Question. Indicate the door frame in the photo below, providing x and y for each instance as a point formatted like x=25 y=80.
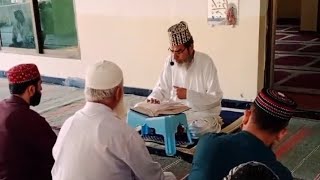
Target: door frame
x=318 y=18
x=270 y=43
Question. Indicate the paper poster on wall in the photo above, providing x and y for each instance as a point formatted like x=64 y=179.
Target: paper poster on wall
x=223 y=12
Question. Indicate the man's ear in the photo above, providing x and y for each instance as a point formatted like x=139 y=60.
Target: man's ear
x=119 y=93
x=31 y=90
x=281 y=134
x=246 y=116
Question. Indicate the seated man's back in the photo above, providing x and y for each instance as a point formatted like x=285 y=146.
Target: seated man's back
x=95 y=144
x=218 y=153
x=263 y=124
x=26 y=138
x=97 y=147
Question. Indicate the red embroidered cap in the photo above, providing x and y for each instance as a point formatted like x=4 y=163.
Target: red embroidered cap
x=275 y=104
x=23 y=73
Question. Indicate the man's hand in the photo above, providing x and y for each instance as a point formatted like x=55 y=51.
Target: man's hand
x=181 y=92
x=153 y=101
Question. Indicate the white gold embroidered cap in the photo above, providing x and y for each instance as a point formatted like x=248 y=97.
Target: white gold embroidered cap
x=103 y=75
x=179 y=34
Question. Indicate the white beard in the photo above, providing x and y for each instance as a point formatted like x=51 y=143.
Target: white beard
x=121 y=110
x=185 y=65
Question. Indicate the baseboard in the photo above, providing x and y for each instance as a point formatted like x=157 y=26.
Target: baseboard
x=79 y=83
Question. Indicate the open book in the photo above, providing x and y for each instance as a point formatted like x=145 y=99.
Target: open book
x=164 y=108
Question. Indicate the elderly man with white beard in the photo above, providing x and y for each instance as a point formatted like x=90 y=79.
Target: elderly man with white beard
x=190 y=77
x=95 y=144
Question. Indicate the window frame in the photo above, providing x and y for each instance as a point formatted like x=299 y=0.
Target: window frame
x=39 y=47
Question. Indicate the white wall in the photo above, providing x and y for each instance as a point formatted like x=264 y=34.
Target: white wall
x=134 y=35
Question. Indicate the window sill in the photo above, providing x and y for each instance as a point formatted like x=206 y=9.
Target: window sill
x=68 y=53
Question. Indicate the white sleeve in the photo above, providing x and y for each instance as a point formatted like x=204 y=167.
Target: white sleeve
x=62 y=133
x=164 y=85
x=213 y=95
x=139 y=160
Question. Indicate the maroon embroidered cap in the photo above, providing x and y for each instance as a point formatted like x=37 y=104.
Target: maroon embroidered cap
x=22 y=73
x=275 y=104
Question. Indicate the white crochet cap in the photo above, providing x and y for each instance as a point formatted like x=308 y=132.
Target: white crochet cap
x=103 y=75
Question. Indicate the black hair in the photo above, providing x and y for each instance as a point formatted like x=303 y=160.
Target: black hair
x=18 y=12
x=21 y=87
x=267 y=122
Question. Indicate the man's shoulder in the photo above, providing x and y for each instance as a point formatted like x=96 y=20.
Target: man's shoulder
x=26 y=113
x=213 y=139
x=203 y=59
x=111 y=121
x=203 y=56
x=219 y=140
x=215 y=136
x=33 y=114
x=16 y=107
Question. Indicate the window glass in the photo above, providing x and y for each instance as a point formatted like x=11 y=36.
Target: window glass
x=16 y=24
x=58 y=24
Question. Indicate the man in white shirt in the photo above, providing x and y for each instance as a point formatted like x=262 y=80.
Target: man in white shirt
x=95 y=144
x=190 y=77
x=22 y=32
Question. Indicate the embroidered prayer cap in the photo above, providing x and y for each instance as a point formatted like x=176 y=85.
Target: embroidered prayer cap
x=22 y=73
x=103 y=75
x=251 y=170
x=179 y=34
x=275 y=104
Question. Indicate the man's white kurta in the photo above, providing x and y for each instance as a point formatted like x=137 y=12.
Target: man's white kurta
x=94 y=144
x=201 y=81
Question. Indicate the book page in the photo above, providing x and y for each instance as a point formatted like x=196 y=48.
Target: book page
x=164 y=108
